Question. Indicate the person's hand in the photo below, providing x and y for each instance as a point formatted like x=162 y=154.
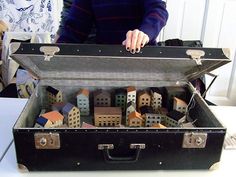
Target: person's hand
x=135 y=40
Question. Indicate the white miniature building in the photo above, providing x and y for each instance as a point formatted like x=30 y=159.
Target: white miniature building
x=131 y=94
x=156 y=100
x=180 y=105
x=131 y=107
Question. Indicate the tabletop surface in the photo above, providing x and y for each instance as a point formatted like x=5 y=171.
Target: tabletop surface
x=11 y=108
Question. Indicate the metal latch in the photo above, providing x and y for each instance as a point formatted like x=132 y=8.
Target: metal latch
x=49 y=51
x=47 y=141
x=196 y=55
x=194 y=140
x=105 y=146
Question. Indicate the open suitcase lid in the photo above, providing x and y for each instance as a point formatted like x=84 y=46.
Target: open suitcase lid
x=113 y=62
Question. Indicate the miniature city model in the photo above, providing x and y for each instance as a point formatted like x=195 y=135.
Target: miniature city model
x=144 y=99
x=120 y=99
x=156 y=99
x=180 y=105
x=131 y=107
x=107 y=116
x=135 y=119
x=131 y=94
x=83 y=102
x=54 y=95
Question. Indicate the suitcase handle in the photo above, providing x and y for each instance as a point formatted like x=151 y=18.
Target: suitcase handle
x=130 y=159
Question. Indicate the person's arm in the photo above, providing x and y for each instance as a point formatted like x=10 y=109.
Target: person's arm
x=77 y=24
x=154 y=19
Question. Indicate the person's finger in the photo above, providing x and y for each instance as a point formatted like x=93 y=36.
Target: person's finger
x=139 y=41
x=145 y=40
x=124 y=42
x=134 y=41
x=128 y=40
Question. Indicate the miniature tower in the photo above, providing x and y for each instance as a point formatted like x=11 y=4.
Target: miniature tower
x=131 y=107
x=180 y=105
x=107 y=116
x=156 y=99
x=131 y=94
x=72 y=115
x=54 y=95
x=83 y=102
x=102 y=98
x=144 y=99
x=120 y=99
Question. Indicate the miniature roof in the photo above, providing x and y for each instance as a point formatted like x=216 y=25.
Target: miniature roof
x=146 y=109
x=41 y=121
x=144 y=92
x=52 y=90
x=83 y=92
x=53 y=116
x=158 y=125
x=176 y=115
x=135 y=115
x=101 y=92
x=107 y=111
x=120 y=91
x=67 y=108
x=131 y=89
x=179 y=101
x=131 y=103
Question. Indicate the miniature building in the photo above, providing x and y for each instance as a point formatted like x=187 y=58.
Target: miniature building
x=146 y=109
x=158 y=125
x=180 y=105
x=174 y=118
x=120 y=99
x=102 y=98
x=131 y=107
x=54 y=95
x=131 y=94
x=144 y=99
x=156 y=99
x=107 y=116
x=50 y=119
x=71 y=115
x=135 y=119
x=162 y=111
x=152 y=119
x=83 y=102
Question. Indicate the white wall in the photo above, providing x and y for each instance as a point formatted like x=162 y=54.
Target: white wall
x=214 y=23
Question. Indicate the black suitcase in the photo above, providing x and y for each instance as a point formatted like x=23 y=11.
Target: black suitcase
x=70 y=67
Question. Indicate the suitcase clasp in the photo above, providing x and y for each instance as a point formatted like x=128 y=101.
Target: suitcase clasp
x=194 y=140
x=49 y=51
x=196 y=55
x=47 y=141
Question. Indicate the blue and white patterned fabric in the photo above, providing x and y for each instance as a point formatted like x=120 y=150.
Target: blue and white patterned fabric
x=31 y=15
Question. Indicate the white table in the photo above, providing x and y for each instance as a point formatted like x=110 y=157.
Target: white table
x=8 y=166
x=10 y=109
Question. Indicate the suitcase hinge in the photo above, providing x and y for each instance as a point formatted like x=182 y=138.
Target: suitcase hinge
x=194 y=140
x=49 y=51
x=196 y=55
x=47 y=141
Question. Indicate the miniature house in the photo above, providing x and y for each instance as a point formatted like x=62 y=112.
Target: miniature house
x=54 y=95
x=83 y=102
x=174 y=119
x=180 y=105
x=131 y=94
x=144 y=99
x=131 y=107
x=156 y=99
x=135 y=119
x=102 y=98
x=71 y=115
x=120 y=99
x=107 y=116
x=50 y=119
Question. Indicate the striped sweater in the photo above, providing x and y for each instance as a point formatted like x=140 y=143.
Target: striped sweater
x=112 y=18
